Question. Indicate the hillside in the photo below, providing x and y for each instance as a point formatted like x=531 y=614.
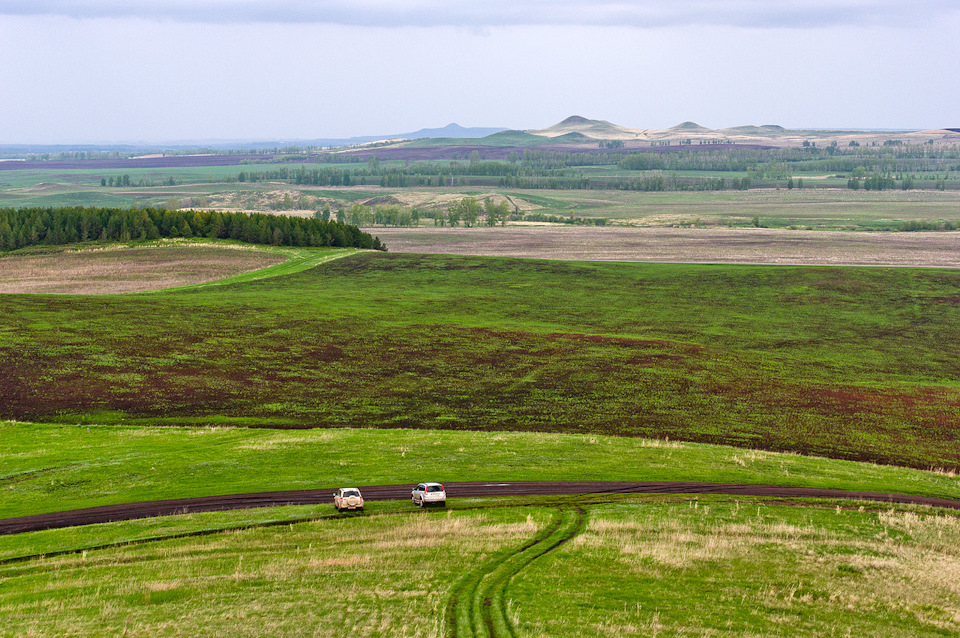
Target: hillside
x=596 y=129
x=767 y=134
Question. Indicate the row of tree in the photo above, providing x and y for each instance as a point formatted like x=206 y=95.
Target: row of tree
x=469 y=211
x=29 y=226
x=658 y=181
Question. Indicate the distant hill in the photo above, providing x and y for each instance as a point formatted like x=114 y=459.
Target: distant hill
x=687 y=126
x=596 y=129
x=574 y=131
x=450 y=131
x=505 y=138
x=453 y=130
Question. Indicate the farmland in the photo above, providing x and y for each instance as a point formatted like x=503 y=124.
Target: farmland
x=890 y=186
x=686 y=245
x=481 y=353
x=120 y=269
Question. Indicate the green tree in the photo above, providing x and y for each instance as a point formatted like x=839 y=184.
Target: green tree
x=503 y=212
x=469 y=210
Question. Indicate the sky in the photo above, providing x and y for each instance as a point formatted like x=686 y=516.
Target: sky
x=152 y=71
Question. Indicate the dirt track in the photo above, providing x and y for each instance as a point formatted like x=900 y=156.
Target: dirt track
x=147 y=509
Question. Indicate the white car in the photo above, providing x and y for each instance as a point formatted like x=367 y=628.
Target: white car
x=348 y=498
x=429 y=494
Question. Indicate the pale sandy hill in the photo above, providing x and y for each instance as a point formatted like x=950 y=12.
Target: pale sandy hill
x=767 y=134
x=596 y=129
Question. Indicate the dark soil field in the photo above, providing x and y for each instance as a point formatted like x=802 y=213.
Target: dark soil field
x=719 y=246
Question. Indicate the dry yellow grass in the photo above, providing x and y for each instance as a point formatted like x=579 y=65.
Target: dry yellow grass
x=125 y=269
x=808 y=571
x=358 y=576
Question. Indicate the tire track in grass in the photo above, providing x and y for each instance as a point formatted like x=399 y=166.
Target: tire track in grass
x=477 y=607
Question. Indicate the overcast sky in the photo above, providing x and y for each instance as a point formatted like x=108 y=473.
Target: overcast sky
x=81 y=71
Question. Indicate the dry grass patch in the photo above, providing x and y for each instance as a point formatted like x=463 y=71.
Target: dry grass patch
x=124 y=269
x=731 y=568
x=352 y=576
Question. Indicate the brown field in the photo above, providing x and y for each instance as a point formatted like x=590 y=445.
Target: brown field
x=123 y=269
x=688 y=245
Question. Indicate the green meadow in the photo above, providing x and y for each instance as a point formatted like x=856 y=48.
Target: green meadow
x=356 y=368
x=854 y=363
x=633 y=566
x=49 y=467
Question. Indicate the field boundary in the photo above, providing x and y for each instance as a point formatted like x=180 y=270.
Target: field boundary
x=297 y=261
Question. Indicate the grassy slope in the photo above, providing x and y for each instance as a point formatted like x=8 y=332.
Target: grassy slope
x=745 y=569
x=49 y=467
x=350 y=577
x=710 y=566
x=852 y=363
x=786 y=569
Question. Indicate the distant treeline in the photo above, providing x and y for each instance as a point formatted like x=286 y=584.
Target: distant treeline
x=653 y=170
x=30 y=226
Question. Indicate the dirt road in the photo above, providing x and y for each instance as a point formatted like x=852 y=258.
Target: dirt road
x=147 y=509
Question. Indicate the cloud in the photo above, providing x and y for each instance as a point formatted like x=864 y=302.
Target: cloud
x=494 y=13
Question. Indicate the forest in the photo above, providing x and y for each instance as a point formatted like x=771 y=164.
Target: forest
x=56 y=226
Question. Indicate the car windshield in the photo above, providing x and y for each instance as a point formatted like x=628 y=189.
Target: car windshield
x=351 y=493
x=434 y=488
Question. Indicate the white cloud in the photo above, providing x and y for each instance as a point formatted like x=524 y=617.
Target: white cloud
x=494 y=13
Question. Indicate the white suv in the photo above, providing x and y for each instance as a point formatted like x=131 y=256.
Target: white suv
x=428 y=494
x=348 y=498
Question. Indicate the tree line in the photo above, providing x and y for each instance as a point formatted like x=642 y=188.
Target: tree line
x=540 y=169
x=56 y=226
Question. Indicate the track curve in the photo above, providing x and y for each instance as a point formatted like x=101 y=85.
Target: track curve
x=477 y=607
x=149 y=509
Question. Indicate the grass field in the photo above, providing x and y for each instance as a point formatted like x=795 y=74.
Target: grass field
x=735 y=569
x=849 y=363
x=814 y=208
x=570 y=364
x=49 y=467
x=632 y=566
